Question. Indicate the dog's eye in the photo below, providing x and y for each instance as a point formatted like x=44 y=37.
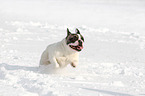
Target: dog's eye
x=71 y=39
x=75 y=38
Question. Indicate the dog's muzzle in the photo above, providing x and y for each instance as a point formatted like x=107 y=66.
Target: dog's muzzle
x=77 y=48
x=78 y=45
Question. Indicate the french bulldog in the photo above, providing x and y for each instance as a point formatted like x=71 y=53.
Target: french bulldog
x=65 y=52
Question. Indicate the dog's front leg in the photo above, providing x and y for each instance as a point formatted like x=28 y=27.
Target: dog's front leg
x=54 y=62
x=74 y=64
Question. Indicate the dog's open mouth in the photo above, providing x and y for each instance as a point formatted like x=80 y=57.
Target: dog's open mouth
x=77 y=48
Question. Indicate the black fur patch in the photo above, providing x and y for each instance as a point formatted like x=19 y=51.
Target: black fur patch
x=72 y=38
x=82 y=37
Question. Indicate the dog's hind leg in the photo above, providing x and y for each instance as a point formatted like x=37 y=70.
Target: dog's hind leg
x=44 y=58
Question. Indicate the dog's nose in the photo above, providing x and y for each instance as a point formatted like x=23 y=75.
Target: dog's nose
x=80 y=43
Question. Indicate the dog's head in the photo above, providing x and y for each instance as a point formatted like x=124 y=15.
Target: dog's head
x=75 y=41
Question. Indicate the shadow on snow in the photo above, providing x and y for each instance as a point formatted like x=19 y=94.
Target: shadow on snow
x=16 y=67
x=108 y=92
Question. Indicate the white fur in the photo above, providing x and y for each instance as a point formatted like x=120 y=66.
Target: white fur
x=59 y=55
x=79 y=36
x=74 y=44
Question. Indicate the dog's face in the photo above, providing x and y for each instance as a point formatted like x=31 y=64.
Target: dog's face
x=75 y=41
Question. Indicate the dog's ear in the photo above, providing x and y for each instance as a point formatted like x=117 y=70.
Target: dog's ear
x=77 y=31
x=68 y=32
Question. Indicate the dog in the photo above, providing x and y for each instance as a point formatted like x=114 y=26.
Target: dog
x=65 y=52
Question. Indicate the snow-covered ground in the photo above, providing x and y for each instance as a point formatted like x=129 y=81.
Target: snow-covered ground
x=111 y=64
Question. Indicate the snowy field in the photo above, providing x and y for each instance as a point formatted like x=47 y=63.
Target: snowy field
x=112 y=62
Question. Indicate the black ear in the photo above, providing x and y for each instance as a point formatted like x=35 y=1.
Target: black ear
x=77 y=31
x=68 y=32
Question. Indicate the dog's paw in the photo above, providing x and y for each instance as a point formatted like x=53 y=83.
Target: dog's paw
x=73 y=65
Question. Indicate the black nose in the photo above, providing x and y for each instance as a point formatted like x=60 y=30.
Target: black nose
x=80 y=43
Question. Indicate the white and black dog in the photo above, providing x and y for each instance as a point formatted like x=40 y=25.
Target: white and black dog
x=65 y=52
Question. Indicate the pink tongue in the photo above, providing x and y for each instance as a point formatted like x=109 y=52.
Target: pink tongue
x=79 y=47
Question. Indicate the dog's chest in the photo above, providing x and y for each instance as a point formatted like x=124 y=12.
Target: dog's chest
x=66 y=59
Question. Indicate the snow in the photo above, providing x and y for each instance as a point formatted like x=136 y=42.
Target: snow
x=111 y=64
